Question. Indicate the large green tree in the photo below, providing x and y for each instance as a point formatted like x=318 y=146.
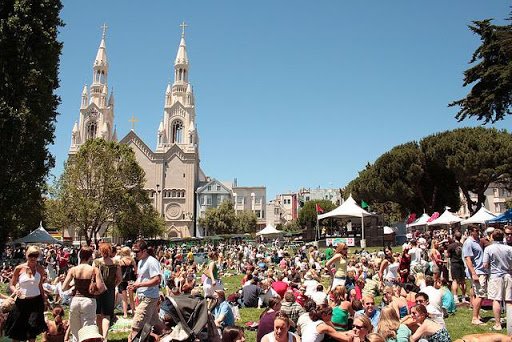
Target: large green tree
x=490 y=97
x=475 y=156
x=102 y=188
x=308 y=215
x=29 y=60
x=220 y=220
x=246 y=221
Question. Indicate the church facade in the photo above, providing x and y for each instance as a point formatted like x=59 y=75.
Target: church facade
x=172 y=170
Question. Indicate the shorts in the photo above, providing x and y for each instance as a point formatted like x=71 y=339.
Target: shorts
x=105 y=302
x=338 y=281
x=480 y=287
x=500 y=288
x=123 y=286
x=458 y=273
x=146 y=312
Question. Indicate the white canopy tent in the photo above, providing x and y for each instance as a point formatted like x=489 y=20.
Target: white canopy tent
x=349 y=208
x=422 y=221
x=38 y=235
x=389 y=230
x=446 y=218
x=269 y=230
x=481 y=216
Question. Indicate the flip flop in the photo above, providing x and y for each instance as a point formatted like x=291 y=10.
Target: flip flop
x=477 y=322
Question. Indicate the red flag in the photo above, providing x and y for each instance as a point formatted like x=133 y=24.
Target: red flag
x=319 y=209
x=411 y=218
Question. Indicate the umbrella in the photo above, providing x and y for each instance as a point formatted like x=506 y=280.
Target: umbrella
x=39 y=235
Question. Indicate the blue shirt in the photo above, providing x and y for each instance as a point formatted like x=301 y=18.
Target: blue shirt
x=147 y=269
x=472 y=249
x=224 y=308
x=499 y=258
x=374 y=318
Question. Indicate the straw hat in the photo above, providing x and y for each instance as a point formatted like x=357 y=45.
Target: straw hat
x=89 y=332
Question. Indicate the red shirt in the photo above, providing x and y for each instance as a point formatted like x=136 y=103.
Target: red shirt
x=280 y=287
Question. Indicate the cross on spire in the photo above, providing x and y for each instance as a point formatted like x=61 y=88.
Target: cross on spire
x=183 y=26
x=133 y=120
x=104 y=27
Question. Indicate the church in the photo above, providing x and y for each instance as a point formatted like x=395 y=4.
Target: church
x=172 y=170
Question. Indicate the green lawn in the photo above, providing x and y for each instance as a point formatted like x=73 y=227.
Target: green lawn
x=458 y=324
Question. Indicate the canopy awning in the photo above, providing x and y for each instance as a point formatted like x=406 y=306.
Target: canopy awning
x=481 y=216
x=269 y=230
x=39 y=235
x=446 y=218
x=422 y=221
x=503 y=218
x=349 y=208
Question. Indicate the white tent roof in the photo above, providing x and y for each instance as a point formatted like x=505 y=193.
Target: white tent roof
x=389 y=230
x=446 y=218
x=39 y=235
x=269 y=230
x=481 y=216
x=422 y=221
x=349 y=208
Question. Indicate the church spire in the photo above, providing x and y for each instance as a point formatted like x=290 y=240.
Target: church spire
x=100 y=73
x=181 y=63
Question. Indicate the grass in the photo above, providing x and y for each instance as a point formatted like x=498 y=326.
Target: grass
x=458 y=325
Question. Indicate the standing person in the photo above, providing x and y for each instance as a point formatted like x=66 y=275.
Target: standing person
x=404 y=267
x=26 y=320
x=128 y=273
x=329 y=252
x=51 y=263
x=63 y=260
x=508 y=235
x=111 y=273
x=457 y=267
x=146 y=285
x=498 y=258
x=436 y=260
x=339 y=259
x=82 y=310
x=211 y=279
x=473 y=257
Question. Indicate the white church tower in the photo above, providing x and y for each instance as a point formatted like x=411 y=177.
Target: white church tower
x=178 y=125
x=96 y=107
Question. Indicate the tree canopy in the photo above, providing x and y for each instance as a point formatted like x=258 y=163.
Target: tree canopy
x=29 y=61
x=427 y=175
x=490 y=97
x=224 y=220
x=102 y=188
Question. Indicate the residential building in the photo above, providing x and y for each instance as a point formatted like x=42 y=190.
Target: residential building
x=496 y=196
x=251 y=198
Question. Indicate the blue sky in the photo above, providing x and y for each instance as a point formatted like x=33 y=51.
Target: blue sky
x=289 y=94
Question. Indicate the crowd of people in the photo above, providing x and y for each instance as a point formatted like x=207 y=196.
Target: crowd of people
x=308 y=294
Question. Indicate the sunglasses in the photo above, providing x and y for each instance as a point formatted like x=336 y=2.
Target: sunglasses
x=369 y=303
x=420 y=301
x=358 y=327
x=33 y=255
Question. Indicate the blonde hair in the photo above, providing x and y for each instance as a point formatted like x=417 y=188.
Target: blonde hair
x=388 y=323
x=366 y=322
x=125 y=251
x=32 y=249
x=375 y=337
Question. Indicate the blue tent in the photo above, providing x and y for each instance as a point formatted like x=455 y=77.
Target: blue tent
x=503 y=218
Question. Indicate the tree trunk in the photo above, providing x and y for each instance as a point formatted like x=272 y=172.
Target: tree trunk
x=469 y=202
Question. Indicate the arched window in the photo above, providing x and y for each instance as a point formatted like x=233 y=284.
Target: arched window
x=177 y=132
x=92 y=128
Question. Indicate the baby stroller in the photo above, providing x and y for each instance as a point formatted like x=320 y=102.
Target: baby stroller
x=191 y=319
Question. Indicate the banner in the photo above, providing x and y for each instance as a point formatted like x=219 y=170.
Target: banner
x=335 y=241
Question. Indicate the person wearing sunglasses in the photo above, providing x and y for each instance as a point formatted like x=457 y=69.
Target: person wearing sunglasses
x=361 y=328
x=147 y=286
x=26 y=321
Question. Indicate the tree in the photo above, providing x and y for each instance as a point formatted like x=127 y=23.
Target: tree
x=308 y=215
x=475 y=156
x=246 y=221
x=220 y=220
x=29 y=60
x=491 y=96
x=102 y=187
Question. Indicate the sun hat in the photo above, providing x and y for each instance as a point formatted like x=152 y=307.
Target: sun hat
x=89 y=332
x=489 y=230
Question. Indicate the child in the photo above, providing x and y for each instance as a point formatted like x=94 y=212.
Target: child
x=58 y=329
